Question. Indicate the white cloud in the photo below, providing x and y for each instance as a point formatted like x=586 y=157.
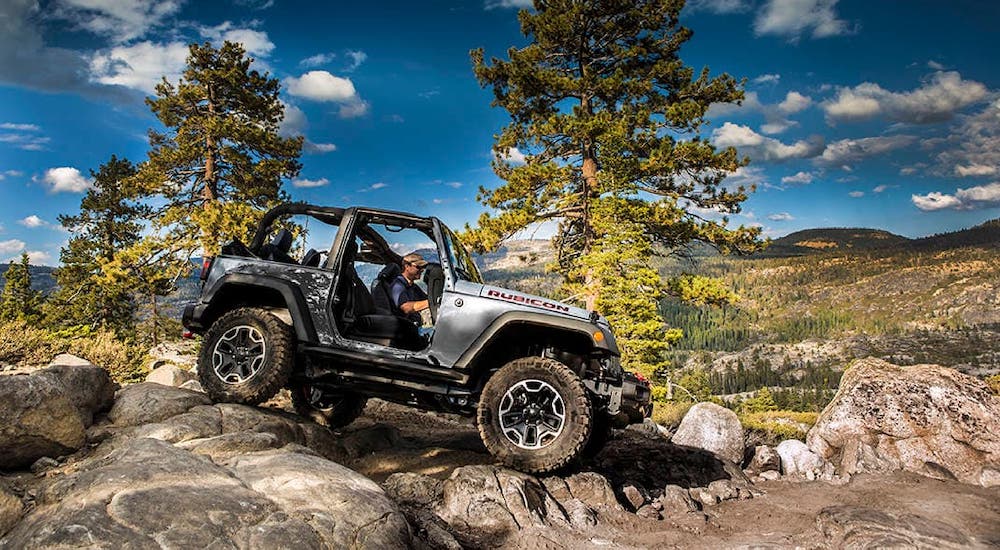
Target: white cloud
x=139 y=66
x=747 y=176
x=934 y=201
x=19 y=127
x=781 y=217
x=794 y=102
x=353 y=109
x=38 y=257
x=11 y=246
x=970 y=198
x=519 y=4
x=318 y=148
x=379 y=185
x=305 y=183
x=66 y=179
x=767 y=79
x=33 y=221
x=803 y=178
x=760 y=147
x=514 y=156
x=13 y=173
x=318 y=60
x=793 y=18
x=935 y=65
x=851 y=150
x=357 y=58
x=720 y=6
x=880 y=188
x=121 y=20
x=254 y=42
x=975 y=170
x=856 y=194
x=454 y=184
x=26 y=142
x=294 y=123
x=938 y=99
x=321 y=86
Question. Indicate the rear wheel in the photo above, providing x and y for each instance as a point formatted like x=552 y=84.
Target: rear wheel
x=333 y=409
x=247 y=356
x=534 y=415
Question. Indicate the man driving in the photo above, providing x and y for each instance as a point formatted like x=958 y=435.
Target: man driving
x=410 y=298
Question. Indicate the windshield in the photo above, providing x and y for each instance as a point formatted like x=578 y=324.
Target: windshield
x=465 y=268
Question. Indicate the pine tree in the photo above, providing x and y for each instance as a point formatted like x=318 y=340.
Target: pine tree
x=607 y=116
x=221 y=161
x=108 y=223
x=19 y=301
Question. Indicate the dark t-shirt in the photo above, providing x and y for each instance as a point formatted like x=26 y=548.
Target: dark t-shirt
x=403 y=291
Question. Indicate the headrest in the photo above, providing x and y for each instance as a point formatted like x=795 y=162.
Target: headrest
x=350 y=252
x=389 y=272
x=282 y=240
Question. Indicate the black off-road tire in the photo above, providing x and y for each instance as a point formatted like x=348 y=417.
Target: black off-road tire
x=330 y=410
x=273 y=372
x=566 y=446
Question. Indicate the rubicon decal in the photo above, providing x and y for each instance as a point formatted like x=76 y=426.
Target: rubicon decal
x=527 y=300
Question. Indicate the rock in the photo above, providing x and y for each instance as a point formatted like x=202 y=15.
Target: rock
x=594 y=490
x=770 y=475
x=712 y=428
x=796 y=458
x=703 y=495
x=183 y=354
x=146 y=403
x=676 y=501
x=927 y=419
x=89 y=387
x=764 y=459
x=170 y=375
x=649 y=428
x=192 y=385
x=10 y=510
x=633 y=496
x=42 y=464
x=485 y=505
x=409 y=488
x=861 y=527
x=222 y=447
x=200 y=422
x=343 y=507
x=370 y=440
x=648 y=512
x=726 y=489
x=47 y=412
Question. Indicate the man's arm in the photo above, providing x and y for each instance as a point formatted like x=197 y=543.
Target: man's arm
x=398 y=297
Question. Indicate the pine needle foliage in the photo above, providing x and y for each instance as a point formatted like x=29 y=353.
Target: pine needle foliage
x=607 y=116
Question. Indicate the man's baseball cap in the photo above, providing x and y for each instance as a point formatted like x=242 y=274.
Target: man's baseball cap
x=415 y=259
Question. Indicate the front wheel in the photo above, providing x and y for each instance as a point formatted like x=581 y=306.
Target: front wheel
x=247 y=357
x=327 y=408
x=534 y=415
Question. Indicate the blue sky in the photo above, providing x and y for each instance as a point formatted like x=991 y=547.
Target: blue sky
x=871 y=114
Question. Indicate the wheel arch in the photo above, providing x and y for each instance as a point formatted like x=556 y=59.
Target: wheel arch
x=237 y=290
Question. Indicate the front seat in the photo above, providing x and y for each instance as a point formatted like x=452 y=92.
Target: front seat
x=277 y=249
x=360 y=320
x=382 y=290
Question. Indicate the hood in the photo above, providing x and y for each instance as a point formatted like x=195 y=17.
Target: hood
x=532 y=301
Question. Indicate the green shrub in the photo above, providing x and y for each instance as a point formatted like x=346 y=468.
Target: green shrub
x=670 y=414
x=23 y=345
x=773 y=427
x=994 y=383
x=125 y=361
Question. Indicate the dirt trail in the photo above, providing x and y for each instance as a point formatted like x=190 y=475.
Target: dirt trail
x=789 y=514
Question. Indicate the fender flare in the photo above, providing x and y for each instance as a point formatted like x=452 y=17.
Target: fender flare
x=298 y=309
x=578 y=326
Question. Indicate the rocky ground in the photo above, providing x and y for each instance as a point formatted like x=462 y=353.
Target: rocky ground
x=161 y=466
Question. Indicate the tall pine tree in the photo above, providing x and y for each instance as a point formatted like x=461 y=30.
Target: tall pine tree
x=221 y=160
x=18 y=301
x=108 y=222
x=608 y=118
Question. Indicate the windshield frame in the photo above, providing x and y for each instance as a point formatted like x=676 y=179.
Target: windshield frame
x=463 y=267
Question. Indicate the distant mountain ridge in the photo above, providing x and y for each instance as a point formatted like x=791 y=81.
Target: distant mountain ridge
x=813 y=241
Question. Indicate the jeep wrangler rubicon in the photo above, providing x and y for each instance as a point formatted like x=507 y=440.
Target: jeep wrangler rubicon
x=542 y=378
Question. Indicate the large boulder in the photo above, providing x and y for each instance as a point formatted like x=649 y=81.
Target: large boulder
x=171 y=375
x=927 y=419
x=862 y=527
x=47 y=412
x=712 y=428
x=796 y=458
x=148 y=402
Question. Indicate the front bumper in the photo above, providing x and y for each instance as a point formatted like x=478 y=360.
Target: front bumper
x=191 y=318
x=637 y=398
